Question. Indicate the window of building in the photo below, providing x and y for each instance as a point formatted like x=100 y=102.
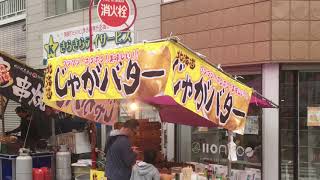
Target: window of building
x=12 y=10
x=61 y=6
x=56 y=7
x=80 y=4
x=216 y=139
x=299 y=124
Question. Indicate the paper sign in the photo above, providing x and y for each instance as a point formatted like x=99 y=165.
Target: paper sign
x=252 y=125
x=313 y=116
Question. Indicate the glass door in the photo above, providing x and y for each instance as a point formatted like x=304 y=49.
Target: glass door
x=308 y=127
x=288 y=118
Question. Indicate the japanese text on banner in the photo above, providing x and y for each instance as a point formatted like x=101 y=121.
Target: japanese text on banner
x=121 y=73
x=150 y=70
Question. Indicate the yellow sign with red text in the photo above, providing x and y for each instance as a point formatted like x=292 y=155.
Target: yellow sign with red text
x=150 y=70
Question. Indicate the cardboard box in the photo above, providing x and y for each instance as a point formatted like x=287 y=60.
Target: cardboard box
x=77 y=142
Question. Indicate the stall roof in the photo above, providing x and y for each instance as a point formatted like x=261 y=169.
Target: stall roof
x=165 y=73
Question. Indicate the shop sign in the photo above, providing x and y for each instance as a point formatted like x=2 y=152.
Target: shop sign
x=21 y=83
x=75 y=40
x=148 y=70
x=116 y=13
x=313 y=116
x=205 y=148
x=24 y=85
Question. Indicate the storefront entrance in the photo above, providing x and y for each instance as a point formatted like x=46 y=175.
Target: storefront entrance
x=300 y=124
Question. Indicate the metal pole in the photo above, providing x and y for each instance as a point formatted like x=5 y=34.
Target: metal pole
x=2 y=115
x=93 y=133
x=54 y=144
x=90 y=25
x=93 y=130
x=53 y=132
x=26 y=138
x=230 y=139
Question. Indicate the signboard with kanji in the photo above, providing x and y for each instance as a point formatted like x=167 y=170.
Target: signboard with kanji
x=21 y=83
x=149 y=70
x=24 y=85
x=116 y=13
x=76 y=39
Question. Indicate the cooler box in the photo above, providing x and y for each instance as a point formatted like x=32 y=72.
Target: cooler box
x=78 y=142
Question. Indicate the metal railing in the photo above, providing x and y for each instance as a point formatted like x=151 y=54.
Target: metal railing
x=11 y=8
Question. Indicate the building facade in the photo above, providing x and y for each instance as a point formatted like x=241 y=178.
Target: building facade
x=274 y=45
x=60 y=27
x=13 y=42
x=55 y=15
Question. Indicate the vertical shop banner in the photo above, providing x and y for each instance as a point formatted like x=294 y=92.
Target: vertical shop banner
x=150 y=70
x=21 y=83
x=313 y=116
x=75 y=40
x=24 y=85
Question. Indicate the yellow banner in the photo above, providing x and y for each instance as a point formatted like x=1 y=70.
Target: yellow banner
x=205 y=90
x=149 y=70
x=109 y=74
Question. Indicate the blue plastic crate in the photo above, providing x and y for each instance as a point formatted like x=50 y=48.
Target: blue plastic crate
x=8 y=166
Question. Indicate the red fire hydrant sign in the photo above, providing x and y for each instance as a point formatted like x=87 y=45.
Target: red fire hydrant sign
x=115 y=13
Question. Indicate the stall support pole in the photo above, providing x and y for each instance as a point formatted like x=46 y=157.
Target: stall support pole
x=230 y=139
x=92 y=125
x=54 y=144
x=93 y=133
x=90 y=25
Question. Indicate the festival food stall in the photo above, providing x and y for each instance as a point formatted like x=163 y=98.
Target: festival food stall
x=24 y=85
x=181 y=85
